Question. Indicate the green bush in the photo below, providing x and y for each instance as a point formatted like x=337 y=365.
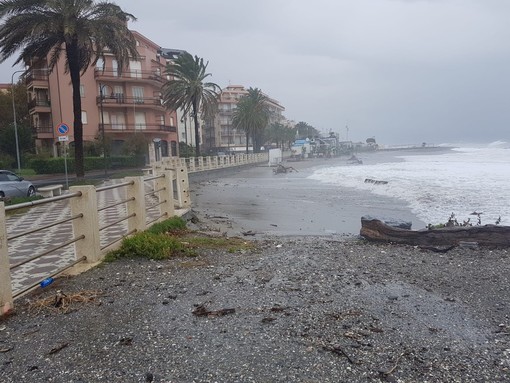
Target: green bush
x=57 y=165
x=6 y=161
x=171 y=224
x=149 y=245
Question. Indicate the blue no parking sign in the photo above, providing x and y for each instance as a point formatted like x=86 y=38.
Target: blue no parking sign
x=62 y=129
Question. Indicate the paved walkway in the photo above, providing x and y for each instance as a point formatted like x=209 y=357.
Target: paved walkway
x=27 y=246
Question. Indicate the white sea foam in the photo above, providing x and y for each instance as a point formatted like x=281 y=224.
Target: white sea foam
x=460 y=181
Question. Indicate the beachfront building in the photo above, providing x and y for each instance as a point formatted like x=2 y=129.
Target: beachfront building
x=219 y=134
x=116 y=105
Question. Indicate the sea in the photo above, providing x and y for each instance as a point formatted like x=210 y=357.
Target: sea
x=468 y=182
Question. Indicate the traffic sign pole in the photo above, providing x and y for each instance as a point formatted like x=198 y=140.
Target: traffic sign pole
x=62 y=131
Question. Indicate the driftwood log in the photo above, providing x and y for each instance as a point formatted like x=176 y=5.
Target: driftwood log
x=489 y=235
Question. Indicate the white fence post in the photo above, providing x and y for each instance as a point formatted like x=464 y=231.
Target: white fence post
x=138 y=205
x=166 y=194
x=6 y=301
x=88 y=225
x=191 y=164
x=183 y=197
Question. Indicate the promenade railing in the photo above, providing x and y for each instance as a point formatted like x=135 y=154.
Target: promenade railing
x=43 y=238
x=87 y=222
x=200 y=164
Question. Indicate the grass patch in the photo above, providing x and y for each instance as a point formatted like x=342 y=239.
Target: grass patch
x=149 y=245
x=171 y=225
x=26 y=172
x=171 y=238
x=232 y=245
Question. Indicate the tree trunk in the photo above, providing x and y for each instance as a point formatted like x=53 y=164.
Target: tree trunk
x=197 y=132
x=74 y=71
x=247 y=141
x=488 y=235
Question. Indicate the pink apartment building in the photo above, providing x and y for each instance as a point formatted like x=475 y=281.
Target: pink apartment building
x=221 y=135
x=131 y=101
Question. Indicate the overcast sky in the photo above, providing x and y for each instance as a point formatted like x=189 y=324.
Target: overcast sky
x=402 y=71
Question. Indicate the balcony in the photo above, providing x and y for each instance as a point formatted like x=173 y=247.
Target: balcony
x=39 y=106
x=43 y=131
x=138 y=128
x=35 y=102
x=134 y=75
x=117 y=100
x=37 y=78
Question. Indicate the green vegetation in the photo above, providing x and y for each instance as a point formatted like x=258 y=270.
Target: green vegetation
x=188 y=90
x=149 y=245
x=57 y=165
x=170 y=225
x=26 y=172
x=252 y=116
x=170 y=239
x=233 y=245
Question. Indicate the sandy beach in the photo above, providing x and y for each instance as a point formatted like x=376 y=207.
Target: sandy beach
x=255 y=199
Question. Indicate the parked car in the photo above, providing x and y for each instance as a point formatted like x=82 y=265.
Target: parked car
x=12 y=185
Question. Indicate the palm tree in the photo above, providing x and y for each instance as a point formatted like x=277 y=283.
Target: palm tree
x=82 y=29
x=252 y=116
x=187 y=90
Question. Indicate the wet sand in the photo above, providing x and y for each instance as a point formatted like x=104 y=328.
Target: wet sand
x=258 y=200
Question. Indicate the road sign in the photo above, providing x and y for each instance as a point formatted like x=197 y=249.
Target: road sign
x=63 y=138
x=62 y=129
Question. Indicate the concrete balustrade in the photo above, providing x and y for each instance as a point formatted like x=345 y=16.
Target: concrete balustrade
x=199 y=164
x=86 y=225
x=6 y=299
x=170 y=182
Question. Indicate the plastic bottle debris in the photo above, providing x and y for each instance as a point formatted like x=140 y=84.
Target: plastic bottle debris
x=47 y=282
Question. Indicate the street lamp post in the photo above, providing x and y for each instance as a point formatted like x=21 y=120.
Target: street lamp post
x=101 y=97
x=15 y=122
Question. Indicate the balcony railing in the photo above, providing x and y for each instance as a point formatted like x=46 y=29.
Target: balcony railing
x=37 y=75
x=120 y=99
x=130 y=128
x=129 y=75
x=35 y=102
x=46 y=129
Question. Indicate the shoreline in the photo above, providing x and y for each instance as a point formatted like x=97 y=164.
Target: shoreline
x=256 y=200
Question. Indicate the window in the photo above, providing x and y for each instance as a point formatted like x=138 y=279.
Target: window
x=140 y=121
x=82 y=90
x=118 y=93
x=115 y=68
x=138 y=94
x=173 y=146
x=83 y=117
x=100 y=64
x=136 y=69
x=106 y=117
x=118 y=121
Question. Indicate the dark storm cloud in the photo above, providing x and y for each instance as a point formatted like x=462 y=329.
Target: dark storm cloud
x=403 y=71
